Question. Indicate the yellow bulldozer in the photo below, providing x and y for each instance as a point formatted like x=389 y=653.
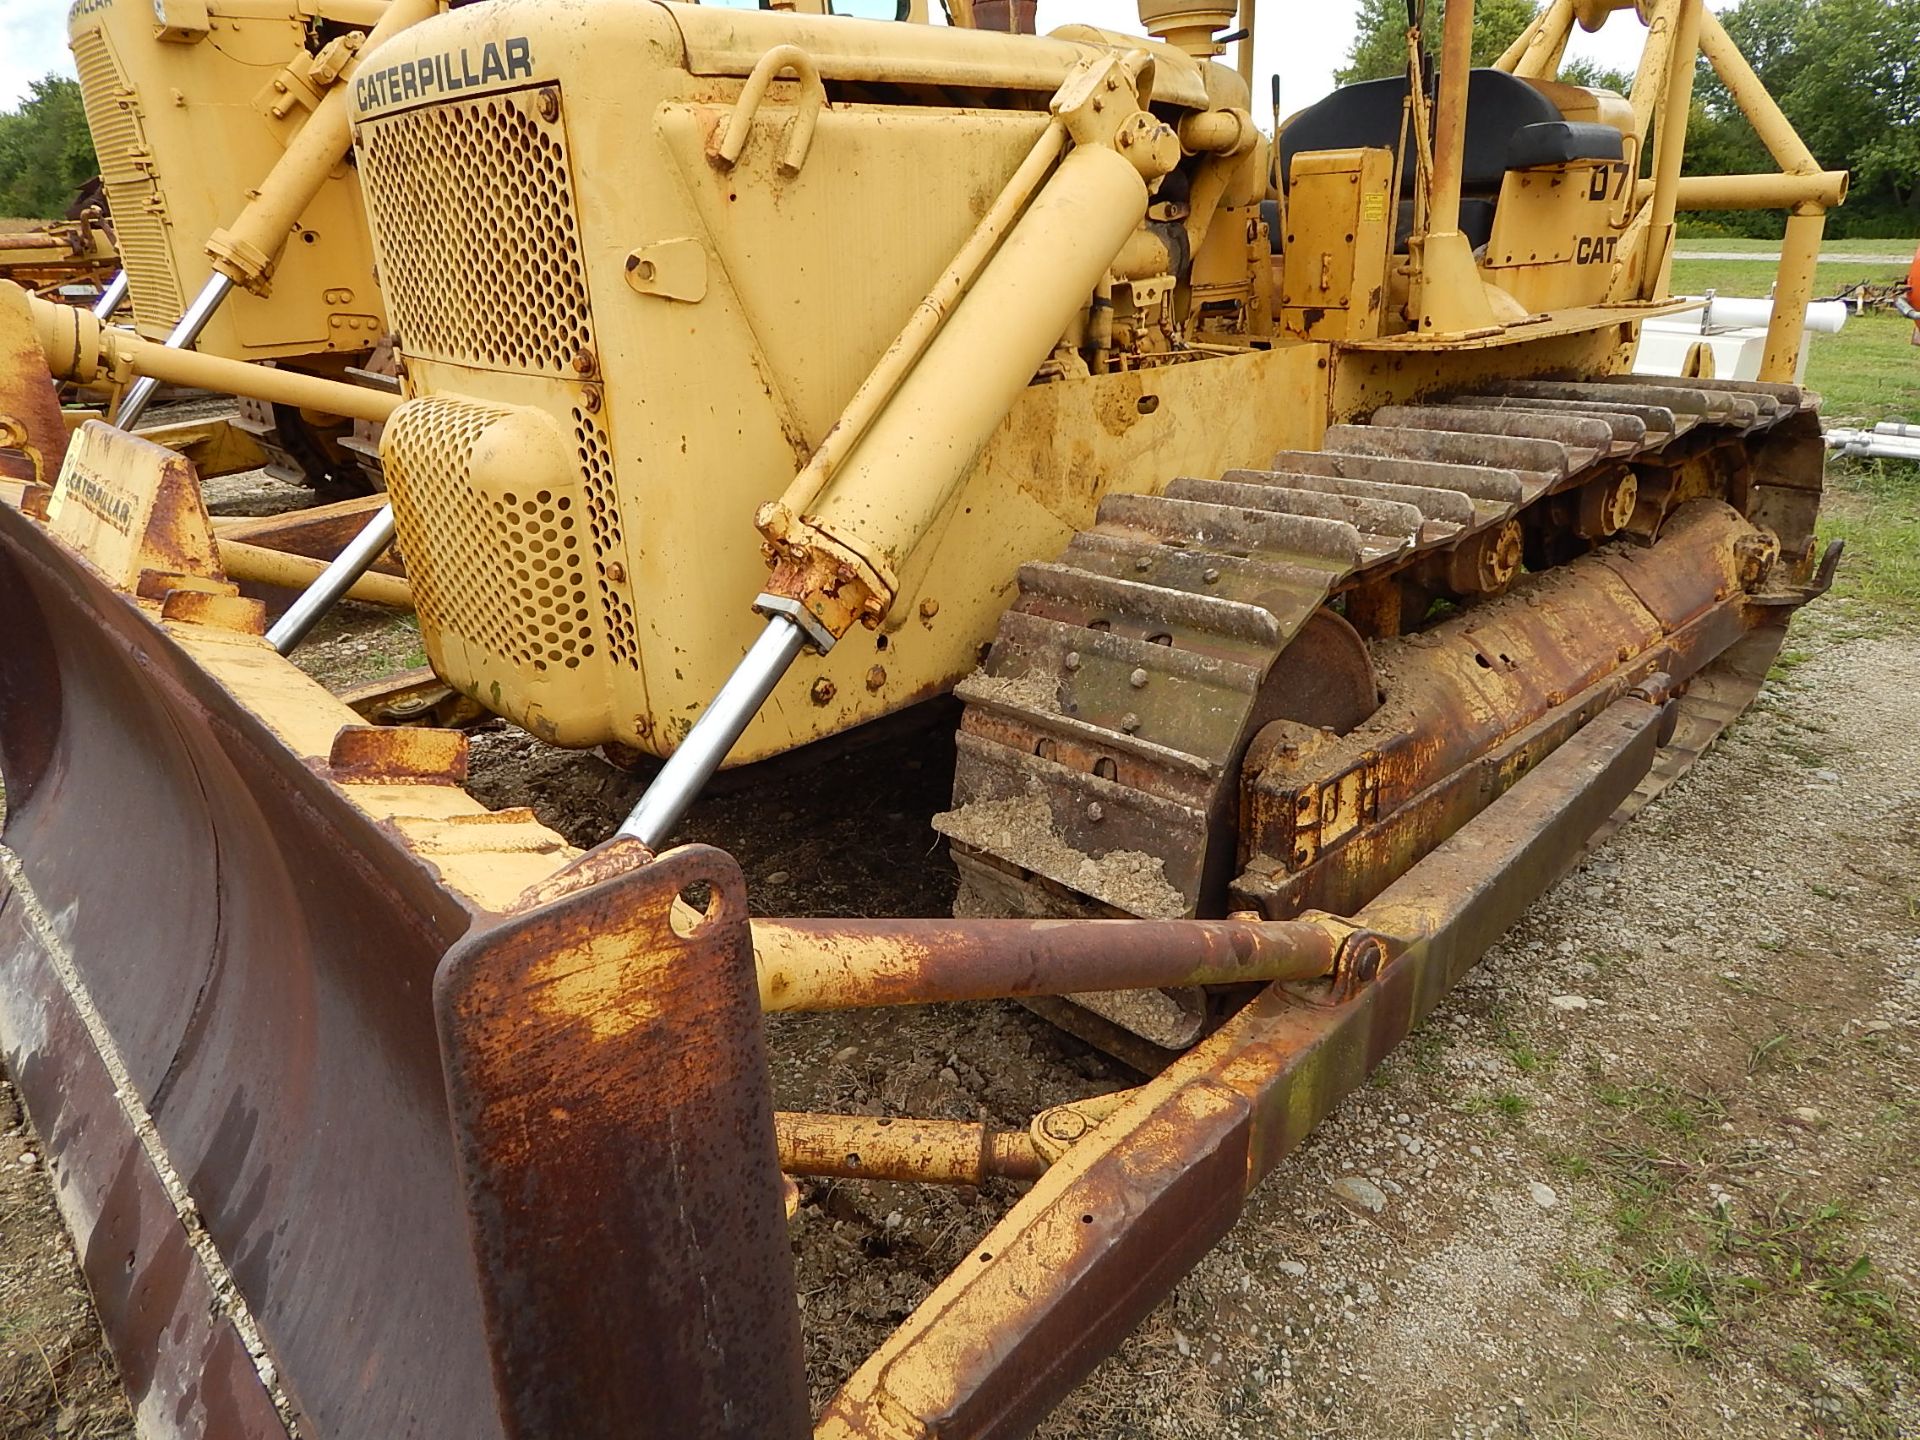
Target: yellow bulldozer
x=72 y=259
x=223 y=144
x=1314 y=579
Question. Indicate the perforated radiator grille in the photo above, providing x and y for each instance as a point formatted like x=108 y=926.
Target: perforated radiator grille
x=603 y=526
x=503 y=571
x=133 y=195
x=472 y=207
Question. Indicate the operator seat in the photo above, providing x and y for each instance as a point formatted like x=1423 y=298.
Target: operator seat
x=1510 y=126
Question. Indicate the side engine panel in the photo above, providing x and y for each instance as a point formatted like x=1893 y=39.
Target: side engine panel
x=188 y=113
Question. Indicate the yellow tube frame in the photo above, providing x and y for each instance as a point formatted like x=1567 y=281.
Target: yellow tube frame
x=79 y=347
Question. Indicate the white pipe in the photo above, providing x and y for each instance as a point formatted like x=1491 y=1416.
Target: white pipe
x=1867 y=445
x=1732 y=312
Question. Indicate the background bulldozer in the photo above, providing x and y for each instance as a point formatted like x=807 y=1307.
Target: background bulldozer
x=72 y=259
x=1313 y=583
x=239 y=220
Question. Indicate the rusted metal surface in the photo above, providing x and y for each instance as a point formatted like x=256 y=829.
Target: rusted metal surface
x=1103 y=1235
x=1327 y=675
x=380 y=755
x=1474 y=702
x=276 y=1026
x=181 y=1360
x=609 y=1093
x=302 y=1104
x=195 y=606
x=1786 y=482
x=1107 y=730
x=835 y=964
x=936 y=1152
x=62 y=257
x=33 y=438
x=318 y=532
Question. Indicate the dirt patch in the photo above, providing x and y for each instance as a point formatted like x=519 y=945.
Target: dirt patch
x=1032 y=691
x=1021 y=827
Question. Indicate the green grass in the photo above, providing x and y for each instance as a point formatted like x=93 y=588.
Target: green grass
x=1874 y=506
x=1526 y=1059
x=1690 y=1295
x=392 y=645
x=1590 y=1280
x=1788 y=661
x=1509 y=1105
x=1772 y=247
x=1727 y=1279
x=1755 y=277
x=1868 y=371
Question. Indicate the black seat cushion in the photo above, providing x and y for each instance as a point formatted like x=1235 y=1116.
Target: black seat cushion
x=1368 y=114
x=1557 y=141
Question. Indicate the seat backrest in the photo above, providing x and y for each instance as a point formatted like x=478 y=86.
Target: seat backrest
x=1368 y=114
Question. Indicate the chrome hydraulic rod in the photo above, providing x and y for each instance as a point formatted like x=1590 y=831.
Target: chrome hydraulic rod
x=140 y=394
x=112 y=298
x=333 y=582
x=934 y=400
x=248 y=251
x=690 y=767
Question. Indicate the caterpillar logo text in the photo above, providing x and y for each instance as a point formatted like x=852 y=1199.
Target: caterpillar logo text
x=1595 y=249
x=108 y=501
x=447 y=73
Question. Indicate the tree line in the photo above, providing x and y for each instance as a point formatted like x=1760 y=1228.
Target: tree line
x=1846 y=73
x=46 y=154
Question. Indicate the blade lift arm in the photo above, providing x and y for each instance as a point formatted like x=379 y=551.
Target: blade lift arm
x=892 y=464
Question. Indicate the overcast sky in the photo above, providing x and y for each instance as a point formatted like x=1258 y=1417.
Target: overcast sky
x=1302 y=39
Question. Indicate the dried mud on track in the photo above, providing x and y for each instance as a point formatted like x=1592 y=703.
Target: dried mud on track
x=1620 y=1185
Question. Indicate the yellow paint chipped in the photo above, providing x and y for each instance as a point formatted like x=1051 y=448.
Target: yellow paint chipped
x=602 y=980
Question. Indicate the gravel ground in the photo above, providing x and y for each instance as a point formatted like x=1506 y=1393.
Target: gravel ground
x=1653 y=1170
x=1650 y=1172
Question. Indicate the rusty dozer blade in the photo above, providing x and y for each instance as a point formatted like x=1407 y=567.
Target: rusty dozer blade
x=217 y=989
